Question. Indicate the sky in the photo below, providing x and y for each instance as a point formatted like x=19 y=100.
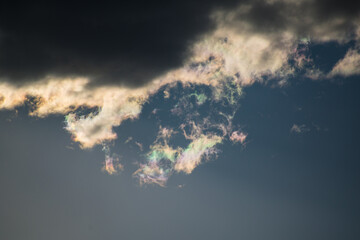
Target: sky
x=181 y=120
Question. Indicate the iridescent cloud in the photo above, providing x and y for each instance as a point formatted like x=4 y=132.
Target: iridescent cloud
x=225 y=60
x=198 y=149
x=238 y=136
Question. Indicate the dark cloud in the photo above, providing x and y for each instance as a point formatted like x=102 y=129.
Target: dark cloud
x=331 y=8
x=129 y=43
x=305 y=18
x=133 y=42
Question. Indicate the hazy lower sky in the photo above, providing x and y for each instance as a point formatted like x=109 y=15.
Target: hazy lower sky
x=189 y=120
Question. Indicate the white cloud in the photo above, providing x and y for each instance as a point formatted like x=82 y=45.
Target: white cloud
x=349 y=65
x=299 y=128
x=238 y=49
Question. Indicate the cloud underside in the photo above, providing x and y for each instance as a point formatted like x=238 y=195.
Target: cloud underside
x=255 y=41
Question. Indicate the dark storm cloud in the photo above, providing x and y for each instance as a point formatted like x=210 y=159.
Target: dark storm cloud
x=128 y=43
x=133 y=42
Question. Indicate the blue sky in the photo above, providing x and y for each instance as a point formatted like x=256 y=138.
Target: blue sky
x=244 y=127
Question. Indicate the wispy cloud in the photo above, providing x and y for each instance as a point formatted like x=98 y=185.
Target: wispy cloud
x=299 y=128
x=349 y=65
x=199 y=148
x=237 y=52
x=111 y=164
x=238 y=136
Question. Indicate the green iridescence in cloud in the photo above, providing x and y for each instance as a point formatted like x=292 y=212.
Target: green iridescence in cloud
x=202 y=130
